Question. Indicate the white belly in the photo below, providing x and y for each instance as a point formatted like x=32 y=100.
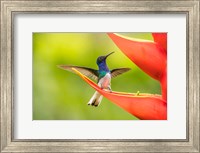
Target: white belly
x=105 y=81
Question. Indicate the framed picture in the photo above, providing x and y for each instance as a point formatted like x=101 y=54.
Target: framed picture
x=99 y=76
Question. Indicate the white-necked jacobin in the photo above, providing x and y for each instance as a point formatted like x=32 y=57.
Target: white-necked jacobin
x=103 y=76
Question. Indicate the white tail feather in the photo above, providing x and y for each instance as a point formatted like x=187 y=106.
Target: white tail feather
x=96 y=99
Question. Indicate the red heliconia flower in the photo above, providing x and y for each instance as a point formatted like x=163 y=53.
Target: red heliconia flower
x=147 y=55
x=151 y=57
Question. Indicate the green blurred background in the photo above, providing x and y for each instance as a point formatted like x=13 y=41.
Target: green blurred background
x=62 y=95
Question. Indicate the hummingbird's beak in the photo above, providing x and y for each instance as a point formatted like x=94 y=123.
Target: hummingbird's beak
x=108 y=54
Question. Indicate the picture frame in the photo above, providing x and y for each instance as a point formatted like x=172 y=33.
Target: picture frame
x=10 y=8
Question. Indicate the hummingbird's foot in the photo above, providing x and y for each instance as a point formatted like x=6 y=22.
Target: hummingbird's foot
x=109 y=88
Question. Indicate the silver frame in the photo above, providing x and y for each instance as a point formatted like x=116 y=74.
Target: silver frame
x=10 y=7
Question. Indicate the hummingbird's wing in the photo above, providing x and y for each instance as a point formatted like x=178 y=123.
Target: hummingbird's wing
x=116 y=72
x=91 y=73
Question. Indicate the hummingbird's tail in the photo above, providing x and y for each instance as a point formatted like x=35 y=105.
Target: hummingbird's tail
x=96 y=99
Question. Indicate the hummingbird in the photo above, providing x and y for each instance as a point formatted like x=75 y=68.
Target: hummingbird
x=103 y=76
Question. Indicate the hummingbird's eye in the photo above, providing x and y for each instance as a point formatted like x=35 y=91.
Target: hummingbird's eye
x=100 y=58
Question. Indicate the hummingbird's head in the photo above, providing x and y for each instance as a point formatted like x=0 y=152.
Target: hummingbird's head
x=101 y=59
